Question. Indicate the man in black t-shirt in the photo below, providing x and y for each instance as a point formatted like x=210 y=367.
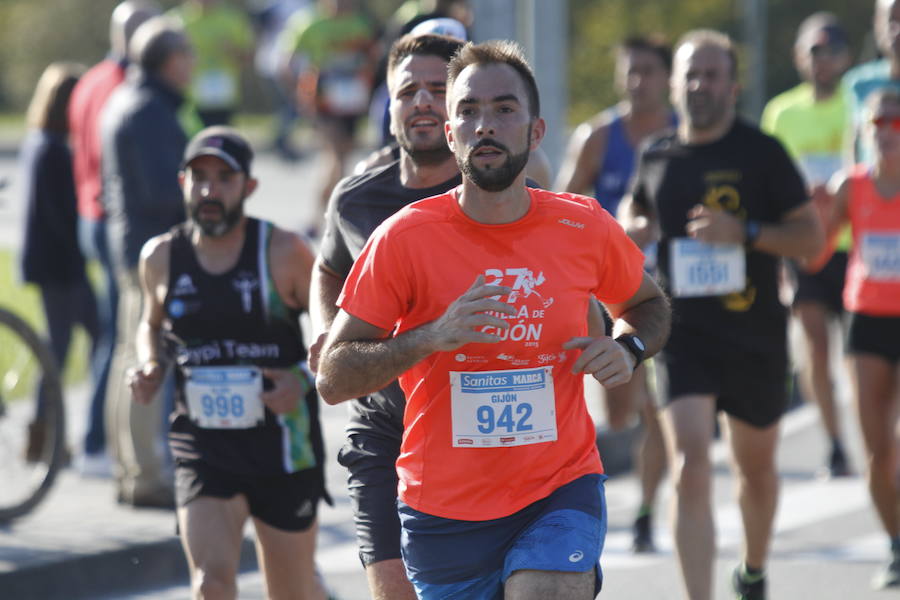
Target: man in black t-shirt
x=417 y=80
x=727 y=202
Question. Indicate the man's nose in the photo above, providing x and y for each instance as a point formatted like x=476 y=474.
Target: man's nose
x=423 y=99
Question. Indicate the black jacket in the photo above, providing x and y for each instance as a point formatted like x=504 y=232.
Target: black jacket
x=141 y=150
x=50 y=251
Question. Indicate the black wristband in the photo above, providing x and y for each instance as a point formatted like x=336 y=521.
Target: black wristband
x=752 y=230
x=635 y=346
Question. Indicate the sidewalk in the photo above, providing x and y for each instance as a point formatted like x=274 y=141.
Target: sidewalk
x=79 y=543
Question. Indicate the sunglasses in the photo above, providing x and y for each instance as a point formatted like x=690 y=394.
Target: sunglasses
x=892 y=122
x=826 y=50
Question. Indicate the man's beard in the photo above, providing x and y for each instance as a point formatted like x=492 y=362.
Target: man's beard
x=426 y=156
x=224 y=225
x=710 y=115
x=492 y=179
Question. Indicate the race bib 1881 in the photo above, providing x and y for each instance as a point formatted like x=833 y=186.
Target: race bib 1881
x=224 y=397
x=880 y=253
x=513 y=407
x=701 y=269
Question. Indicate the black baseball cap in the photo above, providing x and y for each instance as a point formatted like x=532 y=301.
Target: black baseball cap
x=221 y=142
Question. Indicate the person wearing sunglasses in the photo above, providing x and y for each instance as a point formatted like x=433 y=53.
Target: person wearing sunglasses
x=869 y=199
x=810 y=120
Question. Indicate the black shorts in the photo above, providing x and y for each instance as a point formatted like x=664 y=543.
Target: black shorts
x=825 y=287
x=874 y=335
x=288 y=502
x=748 y=385
x=342 y=124
x=372 y=483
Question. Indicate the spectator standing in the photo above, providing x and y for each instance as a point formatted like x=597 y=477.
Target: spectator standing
x=811 y=120
x=142 y=144
x=726 y=200
x=86 y=105
x=50 y=256
x=222 y=39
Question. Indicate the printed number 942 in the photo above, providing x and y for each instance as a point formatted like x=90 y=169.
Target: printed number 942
x=488 y=421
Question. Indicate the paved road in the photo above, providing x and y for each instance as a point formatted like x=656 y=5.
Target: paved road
x=81 y=544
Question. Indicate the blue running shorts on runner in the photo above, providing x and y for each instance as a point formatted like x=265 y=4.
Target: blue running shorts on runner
x=471 y=560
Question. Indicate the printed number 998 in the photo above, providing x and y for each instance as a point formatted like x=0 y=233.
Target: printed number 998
x=488 y=421
x=223 y=406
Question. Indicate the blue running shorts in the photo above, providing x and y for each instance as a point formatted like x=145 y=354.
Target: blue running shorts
x=448 y=558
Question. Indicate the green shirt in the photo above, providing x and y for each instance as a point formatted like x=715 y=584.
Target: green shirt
x=220 y=37
x=812 y=132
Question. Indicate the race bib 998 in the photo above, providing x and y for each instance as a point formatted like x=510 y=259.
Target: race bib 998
x=224 y=397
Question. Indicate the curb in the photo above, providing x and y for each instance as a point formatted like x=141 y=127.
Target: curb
x=142 y=566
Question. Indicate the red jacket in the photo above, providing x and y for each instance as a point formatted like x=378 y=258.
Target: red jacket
x=85 y=107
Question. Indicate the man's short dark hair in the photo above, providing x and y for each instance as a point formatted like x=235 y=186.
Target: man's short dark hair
x=652 y=44
x=702 y=38
x=430 y=44
x=154 y=42
x=823 y=20
x=497 y=52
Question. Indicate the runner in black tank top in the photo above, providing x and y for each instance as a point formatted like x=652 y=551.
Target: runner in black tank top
x=237 y=318
x=222 y=294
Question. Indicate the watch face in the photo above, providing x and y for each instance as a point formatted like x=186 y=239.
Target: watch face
x=639 y=343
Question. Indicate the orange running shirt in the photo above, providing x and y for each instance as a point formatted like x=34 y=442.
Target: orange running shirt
x=522 y=429
x=873 y=271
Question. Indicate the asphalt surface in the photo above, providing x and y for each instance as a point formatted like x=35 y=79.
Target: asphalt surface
x=80 y=544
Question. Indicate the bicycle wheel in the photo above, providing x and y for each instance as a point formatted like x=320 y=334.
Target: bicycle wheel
x=32 y=418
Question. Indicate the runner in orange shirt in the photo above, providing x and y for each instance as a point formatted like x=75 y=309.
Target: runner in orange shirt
x=501 y=489
x=870 y=200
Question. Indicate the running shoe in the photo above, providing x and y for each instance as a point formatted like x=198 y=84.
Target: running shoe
x=748 y=590
x=837 y=463
x=643 y=535
x=890 y=576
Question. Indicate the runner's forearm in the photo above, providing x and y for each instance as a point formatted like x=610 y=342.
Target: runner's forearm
x=354 y=368
x=650 y=320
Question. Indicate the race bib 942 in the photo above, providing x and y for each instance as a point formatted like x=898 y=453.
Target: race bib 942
x=512 y=407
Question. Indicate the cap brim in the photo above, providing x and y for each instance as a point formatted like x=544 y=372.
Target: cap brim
x=218 y=153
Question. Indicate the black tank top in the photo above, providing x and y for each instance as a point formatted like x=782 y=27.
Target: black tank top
x=237 y=318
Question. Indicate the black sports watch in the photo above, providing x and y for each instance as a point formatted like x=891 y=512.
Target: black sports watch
x=751 y=232
x=635 y=345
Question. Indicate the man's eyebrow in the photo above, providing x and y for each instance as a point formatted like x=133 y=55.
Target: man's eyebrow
x=506 y=98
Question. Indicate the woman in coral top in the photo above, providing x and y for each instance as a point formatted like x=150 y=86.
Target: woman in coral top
x=869 y=198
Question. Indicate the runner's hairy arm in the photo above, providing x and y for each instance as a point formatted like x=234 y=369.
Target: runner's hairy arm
x=360 y=358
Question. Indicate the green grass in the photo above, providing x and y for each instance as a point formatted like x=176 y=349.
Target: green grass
x=25 y=301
